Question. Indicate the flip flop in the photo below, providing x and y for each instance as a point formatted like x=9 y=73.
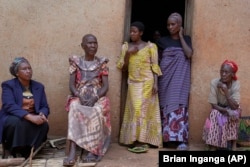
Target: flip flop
x=138 y=150
x=182 y=147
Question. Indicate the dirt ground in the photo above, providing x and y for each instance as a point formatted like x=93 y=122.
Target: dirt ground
x=119 y=156
x=116 y=156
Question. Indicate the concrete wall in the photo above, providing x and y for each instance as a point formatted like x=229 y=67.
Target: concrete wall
x=220 y=30
x=47 y=32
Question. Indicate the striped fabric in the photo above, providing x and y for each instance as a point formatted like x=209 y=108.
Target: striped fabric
x=174 y=84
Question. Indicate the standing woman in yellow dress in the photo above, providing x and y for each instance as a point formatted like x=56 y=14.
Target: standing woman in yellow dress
x=141 y=126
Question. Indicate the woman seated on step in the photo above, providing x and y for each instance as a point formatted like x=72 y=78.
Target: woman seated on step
x=24 y=113
x=88 y=106
x=221 y=128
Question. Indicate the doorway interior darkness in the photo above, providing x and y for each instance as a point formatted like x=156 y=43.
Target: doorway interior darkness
x=154 y=14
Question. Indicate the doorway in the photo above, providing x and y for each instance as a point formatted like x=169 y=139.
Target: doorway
x=154 y=14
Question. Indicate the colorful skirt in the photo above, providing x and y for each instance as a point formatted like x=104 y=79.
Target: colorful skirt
x=90 y=127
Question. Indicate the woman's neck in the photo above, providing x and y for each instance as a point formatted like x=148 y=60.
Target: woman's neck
x=89 y=58
x=229 y=84
x=137 y=42
x=175 y=36
x=25 y=83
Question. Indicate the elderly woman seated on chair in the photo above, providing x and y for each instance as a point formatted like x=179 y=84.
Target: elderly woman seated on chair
x=88 y=106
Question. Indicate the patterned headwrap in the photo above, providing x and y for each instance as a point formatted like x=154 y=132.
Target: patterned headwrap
x=15 y=64
x=233 y=65
x=177 y=17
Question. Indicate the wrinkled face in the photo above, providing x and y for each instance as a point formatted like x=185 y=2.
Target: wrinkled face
x=173 y=26
x=90 y=45
x=24 y=71
x=135 y=34
x=226 y=73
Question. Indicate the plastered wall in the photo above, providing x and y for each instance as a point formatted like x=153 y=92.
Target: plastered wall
x=220 y=30
x=46 y=32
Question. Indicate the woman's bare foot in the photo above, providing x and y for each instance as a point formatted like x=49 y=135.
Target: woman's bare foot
x=234 y=145
x=92 y=157
x=71 y=159
x=212 y=148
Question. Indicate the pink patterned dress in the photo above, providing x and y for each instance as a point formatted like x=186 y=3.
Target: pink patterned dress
x=89 y=127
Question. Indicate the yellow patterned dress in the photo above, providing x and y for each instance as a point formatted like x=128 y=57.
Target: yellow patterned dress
x=141 y=121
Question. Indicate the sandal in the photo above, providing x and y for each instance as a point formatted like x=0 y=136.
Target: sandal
x=182 y=147
x=67 y=162
x=138 y=149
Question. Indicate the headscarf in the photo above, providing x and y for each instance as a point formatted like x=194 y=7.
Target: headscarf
x=139 y=25
x=177 y=17
x=233 y=65
x=15 y=64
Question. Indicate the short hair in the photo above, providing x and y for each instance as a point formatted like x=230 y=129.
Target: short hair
x=15 y=65
x=84 y=38
x=139 y=25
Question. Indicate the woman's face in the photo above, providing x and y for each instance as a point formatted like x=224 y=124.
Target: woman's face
x=173 y=26
x=24 y=71
x=135 y=34
x=226 y=73
x=90 y=45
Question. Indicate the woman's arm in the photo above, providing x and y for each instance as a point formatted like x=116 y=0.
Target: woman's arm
x=10 y=100
x=72 y=87
x=155 y=86
x=105 y=86
x=131 y=50
x=222 y=110
x=100 y=92
x=187 y=50
x=233 y=104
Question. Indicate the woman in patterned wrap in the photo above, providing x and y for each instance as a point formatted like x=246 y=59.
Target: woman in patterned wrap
x=141 y=122
x=174 y=85
x=88 y=106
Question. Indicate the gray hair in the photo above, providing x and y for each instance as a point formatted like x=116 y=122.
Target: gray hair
x=15 y=64
x=84 y=38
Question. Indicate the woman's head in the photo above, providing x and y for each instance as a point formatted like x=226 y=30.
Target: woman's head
x=136 y=31
x=156 y=35
x=20 y=68
x=228 y=71
x=174 y=23
x=89 y=44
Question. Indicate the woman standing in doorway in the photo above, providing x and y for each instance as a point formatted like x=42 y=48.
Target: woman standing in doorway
x=141 y=122
x=174 y=84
